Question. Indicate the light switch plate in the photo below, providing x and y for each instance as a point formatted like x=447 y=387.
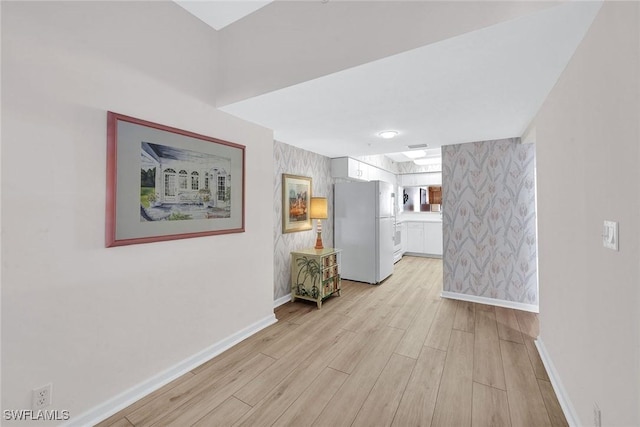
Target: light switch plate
x=610 y=235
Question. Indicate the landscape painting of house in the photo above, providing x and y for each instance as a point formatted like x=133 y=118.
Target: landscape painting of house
x=180 y=184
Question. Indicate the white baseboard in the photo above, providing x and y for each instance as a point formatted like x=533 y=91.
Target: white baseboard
x=118 y=403
x=491 y=301
x=422 y=255
x=556 y=383
x=282 y=300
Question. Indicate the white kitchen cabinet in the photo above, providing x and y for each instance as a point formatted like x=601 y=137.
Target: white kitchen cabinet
x=374 y=173
x=389 y=177
x=377 y=174
x=421 y=179
x=415 y=237
x=424 y=238
x=346 y=167
x=433 y=238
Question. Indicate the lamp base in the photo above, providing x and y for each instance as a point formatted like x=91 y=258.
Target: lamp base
x=319 y=241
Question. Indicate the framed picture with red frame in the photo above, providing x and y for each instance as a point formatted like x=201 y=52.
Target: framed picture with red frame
x=165 y=183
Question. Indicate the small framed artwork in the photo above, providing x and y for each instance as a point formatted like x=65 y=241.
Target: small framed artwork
x=296 y=197
x=165 y=183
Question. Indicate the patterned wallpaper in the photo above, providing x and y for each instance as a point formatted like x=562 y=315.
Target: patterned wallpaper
x=296 y=161
x=384 y=162
x=410 y=167
x=489 y=220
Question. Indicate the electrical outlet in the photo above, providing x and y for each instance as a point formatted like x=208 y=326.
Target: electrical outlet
x=597 y=416
x=41 y=397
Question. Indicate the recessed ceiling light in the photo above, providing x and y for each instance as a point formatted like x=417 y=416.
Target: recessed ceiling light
x=388 y=134
x=414 y=154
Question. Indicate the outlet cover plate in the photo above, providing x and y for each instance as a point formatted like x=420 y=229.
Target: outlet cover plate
x=610 y=235
x=41 y=397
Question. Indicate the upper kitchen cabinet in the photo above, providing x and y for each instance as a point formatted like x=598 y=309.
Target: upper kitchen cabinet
x=346 y=167
x=421 y=179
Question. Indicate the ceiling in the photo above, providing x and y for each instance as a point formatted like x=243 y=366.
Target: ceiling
x=218 y=14
x=480 y=85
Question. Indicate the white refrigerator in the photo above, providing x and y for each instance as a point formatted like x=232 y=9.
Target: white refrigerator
x=363 y=229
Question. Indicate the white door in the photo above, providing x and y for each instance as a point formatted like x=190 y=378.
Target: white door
x=170 y=185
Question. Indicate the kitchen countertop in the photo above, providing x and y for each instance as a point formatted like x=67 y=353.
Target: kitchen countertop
x=420 y=217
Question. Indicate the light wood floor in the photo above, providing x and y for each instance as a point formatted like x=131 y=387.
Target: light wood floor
x=395 y=354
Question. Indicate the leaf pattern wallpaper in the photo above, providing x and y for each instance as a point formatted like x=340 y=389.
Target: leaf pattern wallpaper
x=380 y=161
x=489 y=220
x=410 y=167
x=296 y=161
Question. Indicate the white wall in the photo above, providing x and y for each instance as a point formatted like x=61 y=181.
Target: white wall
x=588 y=152
x=94 y=321
x=321 y=38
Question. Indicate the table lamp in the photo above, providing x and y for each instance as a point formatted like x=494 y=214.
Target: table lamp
x=318 y=211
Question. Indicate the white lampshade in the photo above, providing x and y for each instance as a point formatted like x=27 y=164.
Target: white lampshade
x=318 y=208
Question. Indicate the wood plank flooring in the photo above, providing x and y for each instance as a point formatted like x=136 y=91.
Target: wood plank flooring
x=395 y=354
